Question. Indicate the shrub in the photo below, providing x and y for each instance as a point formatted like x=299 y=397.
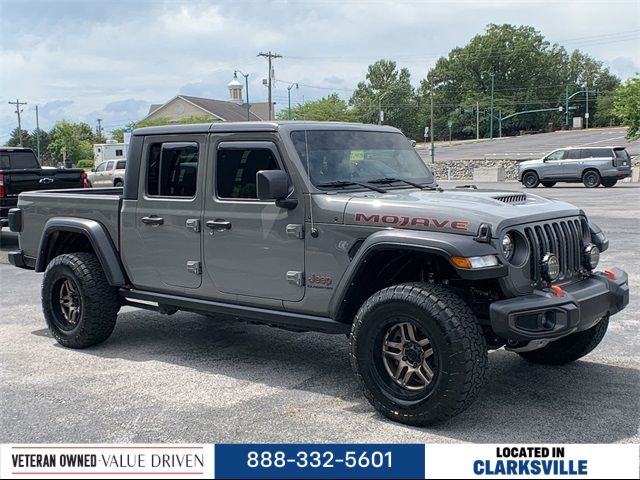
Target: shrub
x=86 y=164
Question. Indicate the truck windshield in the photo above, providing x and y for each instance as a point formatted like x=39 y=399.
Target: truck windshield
x=18 y=160
x=335 y=158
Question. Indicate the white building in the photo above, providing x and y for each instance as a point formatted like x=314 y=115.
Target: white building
x=109 y=151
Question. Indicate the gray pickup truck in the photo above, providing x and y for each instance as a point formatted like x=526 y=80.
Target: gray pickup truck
x=329 y=227
x=593 y=166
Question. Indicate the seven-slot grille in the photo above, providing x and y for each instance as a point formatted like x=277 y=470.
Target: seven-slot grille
x=564 y=238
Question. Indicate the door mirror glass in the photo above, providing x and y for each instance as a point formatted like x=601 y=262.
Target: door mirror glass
x=272 y=184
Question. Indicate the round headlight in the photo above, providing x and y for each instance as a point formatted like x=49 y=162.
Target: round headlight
x=550 y=267
x=508 y=247
x=590 y=257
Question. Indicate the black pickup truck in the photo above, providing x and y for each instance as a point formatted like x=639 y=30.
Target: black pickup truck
x=21 y=172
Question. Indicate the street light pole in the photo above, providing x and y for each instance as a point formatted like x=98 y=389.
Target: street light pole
x=380 y=106
x=289 y=95
x=493 y=75
x=246 y=86
x=586 y=114
x=566 y=106
x=431 y=129
x=38 y=133
x=477 y=120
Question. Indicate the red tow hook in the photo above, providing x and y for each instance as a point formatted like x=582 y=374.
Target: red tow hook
x=557 y=290
x=611 y=274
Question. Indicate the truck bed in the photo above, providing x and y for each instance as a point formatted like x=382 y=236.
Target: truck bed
x=99 y=204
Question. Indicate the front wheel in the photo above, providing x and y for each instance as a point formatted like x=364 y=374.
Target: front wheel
x=591 y=179
x=418 y=353
x=609 y=183
x=530 y=180
x=79 y=305
x=570 y=348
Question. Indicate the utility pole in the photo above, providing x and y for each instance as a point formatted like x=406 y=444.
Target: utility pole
x=18 y=104
x=431 y=129
x=493 y=75
x=289 y=95
x=99 y=127
x=586 y=114
x=38 y=133
x=477 y=120
x=270 y=56
x=566 y=106
x=500 y=122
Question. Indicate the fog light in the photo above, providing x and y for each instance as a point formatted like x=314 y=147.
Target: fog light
x=590 y=257
x=550 y=267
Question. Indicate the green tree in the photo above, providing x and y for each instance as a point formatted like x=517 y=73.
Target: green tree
x=626 y=106
x=389 y=88
x=330 y=108
x=117 y=134
x=71 y=142
x=529 y=73
x=14 y=139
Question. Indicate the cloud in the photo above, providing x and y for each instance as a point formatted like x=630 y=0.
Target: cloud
x=112 y=59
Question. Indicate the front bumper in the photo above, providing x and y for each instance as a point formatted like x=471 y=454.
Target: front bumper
x=544 y=315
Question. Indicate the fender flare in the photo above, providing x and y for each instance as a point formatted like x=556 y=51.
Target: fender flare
x=444 y=245
x=99 y=238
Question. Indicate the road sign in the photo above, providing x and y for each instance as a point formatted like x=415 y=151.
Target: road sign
x=586 y=115
x=450 y=123
x=426 y=132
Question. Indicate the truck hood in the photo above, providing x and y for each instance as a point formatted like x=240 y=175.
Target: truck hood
x=460 y=212
x=531 y=163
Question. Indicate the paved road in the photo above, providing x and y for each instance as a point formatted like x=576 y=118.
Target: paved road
x=531 y=146
x=186 y=378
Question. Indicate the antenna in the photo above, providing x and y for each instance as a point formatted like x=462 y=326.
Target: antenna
x=314 y=231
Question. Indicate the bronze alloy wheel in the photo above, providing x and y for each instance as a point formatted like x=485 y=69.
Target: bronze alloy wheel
x=408 y=356
x=69 y=304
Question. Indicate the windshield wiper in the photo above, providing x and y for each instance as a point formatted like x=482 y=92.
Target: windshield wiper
x=408 y=182
x=345 y=183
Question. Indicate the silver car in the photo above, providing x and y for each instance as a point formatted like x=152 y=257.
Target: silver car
x=108 y=174
x=593 y=166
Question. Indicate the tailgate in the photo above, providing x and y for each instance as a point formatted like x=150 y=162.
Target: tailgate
x=18 y=181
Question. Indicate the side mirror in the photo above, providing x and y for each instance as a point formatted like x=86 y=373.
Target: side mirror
x=413 y=143
x=274 y=185
x=93 y=169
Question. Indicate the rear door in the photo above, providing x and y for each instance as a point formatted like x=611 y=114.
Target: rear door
x=165 y=253
x=572 y=164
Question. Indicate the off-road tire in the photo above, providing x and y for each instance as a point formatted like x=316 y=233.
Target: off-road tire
x=456 y=339
x=530 y=179
x=98 y=300
x=591 y=179
x=548 y=184
x=570 y=348
x=609 y=183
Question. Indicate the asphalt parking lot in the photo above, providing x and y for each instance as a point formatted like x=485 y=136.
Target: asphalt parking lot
x=188 y=378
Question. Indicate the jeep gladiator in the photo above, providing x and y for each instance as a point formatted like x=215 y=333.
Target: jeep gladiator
x=329 y=227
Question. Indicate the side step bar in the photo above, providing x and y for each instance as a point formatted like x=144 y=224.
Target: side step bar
x=261 y=315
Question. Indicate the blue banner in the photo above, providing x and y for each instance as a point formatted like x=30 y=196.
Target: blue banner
x=319 y=461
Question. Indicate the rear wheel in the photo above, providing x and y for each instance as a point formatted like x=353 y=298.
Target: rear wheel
x=591 y=179
x=548 y=184
x=418 y=353
x=570 y=348
x=609 y=183
x=79 y=305
x=530 y=180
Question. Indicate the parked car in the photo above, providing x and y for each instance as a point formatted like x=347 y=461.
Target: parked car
x=108 y=174
x=21 y=172
x=337 y=228
x=593 y=166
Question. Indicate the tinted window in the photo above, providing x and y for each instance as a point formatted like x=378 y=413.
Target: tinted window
x=572 y=154
x=596 y=153
x=118 y=153
x=358 y=156
x=556 y=155
x=172 y=169
x=121 y=165
x=236 y=171
x=622 y=154
x=18 y=160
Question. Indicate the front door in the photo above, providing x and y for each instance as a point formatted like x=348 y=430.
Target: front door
x=166 y=255
x=252 y=247
x=553 y=166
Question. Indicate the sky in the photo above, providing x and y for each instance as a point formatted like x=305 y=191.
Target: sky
x=88 y=59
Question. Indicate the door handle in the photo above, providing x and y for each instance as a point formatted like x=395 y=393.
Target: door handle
x=153 y=220
x=218 y=225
